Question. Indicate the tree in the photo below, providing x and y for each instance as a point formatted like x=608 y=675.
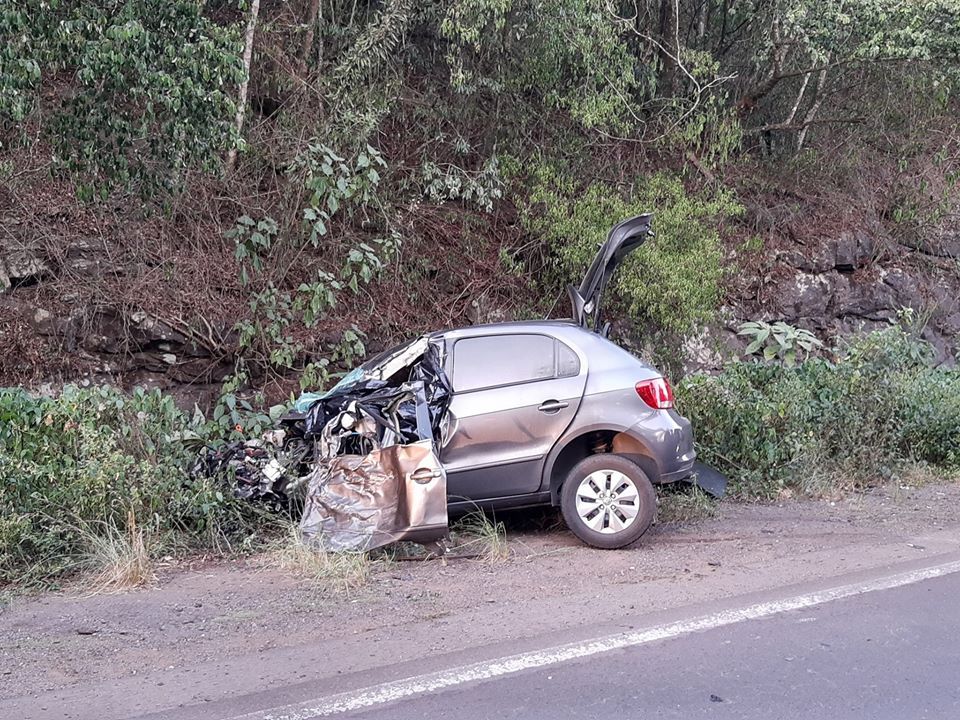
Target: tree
x=138 y=91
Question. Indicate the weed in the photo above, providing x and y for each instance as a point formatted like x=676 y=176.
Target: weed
x=778 y=340
x=330 y=574
x=684 y=503
x=477 y=534
x=119 y=559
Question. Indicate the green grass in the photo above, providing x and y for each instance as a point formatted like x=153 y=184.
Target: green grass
x=476 y=534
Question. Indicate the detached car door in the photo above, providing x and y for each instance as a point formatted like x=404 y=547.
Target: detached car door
x=514 y=395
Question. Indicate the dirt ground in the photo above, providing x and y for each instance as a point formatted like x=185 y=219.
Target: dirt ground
x=208 y=628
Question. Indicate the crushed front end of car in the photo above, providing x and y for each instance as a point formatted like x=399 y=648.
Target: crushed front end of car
x=363 y=457
x=377 y=476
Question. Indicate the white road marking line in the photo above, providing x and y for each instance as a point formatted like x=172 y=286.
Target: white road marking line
x=485 y=670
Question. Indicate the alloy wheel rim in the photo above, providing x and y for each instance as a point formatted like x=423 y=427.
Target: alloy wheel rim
x=607 y=501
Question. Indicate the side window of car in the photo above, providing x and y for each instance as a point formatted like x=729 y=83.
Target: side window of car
x=494 y=360
x=568 y=364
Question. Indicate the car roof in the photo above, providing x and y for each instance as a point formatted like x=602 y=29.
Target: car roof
x=548 y=327
x=602 y=353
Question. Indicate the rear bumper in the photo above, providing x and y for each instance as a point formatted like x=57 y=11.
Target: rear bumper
x=676 y=475
x=668 y=439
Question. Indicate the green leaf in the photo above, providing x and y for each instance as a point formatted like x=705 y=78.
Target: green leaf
x=753 y=347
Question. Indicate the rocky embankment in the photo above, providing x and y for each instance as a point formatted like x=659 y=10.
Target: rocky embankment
x=834 y=285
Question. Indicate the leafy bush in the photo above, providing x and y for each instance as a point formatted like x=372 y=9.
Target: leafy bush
x=673 y=279
x=94 y=461
x=569 y=54
x=149 y=89
x=814 y=425
x=778 y=340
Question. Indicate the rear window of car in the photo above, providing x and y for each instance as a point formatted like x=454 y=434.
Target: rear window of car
x=568 y=364
x=493 y=360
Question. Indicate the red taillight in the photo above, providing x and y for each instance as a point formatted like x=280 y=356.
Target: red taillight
x=656 y=393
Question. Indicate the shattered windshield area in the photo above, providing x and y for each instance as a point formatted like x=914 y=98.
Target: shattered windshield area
x=386 y=354
x=381 y=366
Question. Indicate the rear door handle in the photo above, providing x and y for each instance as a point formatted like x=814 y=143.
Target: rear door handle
x=552 y=406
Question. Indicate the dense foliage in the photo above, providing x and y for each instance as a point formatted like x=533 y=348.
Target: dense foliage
x=144 y=89
x=673 y=280
x=824 y=423
x=354 y=115
x=94 y=460
x=284 y=183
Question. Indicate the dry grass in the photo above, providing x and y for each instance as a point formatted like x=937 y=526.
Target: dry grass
x=118 y=559
x=330 y=574
x=684 y=503
x=476 y=534
x=914 y=474
x=918 y=474
x=871 y=468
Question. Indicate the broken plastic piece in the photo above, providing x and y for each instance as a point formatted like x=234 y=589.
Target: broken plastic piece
x=709 y=480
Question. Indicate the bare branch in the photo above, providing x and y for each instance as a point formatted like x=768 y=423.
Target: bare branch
x=703 y=169
x=674 y=56
x=812 y=112
x=804 y=124
x=796 y=105
x=313 y=16
x=761 y=90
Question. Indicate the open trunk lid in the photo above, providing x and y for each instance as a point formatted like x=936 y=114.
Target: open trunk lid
x=623 y=238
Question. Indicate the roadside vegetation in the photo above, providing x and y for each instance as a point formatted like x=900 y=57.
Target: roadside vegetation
x=97 y=479
x=251 y=197
x=328 y=574
x=683 y=503
x=478 y=536
x=872 y=411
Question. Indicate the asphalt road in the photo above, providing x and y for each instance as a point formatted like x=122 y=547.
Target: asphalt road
x=887 y=654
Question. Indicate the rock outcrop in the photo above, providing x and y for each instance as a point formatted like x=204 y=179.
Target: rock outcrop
x=844 y=283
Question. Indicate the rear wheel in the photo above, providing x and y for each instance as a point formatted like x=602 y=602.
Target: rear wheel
x=608 y=501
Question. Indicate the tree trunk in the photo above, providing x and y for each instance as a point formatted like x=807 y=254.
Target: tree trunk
x=668 y=51
x=313 y=14
x=245 y=83
x=702 y=20
x=812 y=112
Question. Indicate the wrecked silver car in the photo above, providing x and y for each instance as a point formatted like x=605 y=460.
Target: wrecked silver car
x=498 y=416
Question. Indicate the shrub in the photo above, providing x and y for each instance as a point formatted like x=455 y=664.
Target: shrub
x=849 y=421
x=672 y=280
x=778 y=340
x=96 y=461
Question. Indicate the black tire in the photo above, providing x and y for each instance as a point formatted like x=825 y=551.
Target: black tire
x=608 y=538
